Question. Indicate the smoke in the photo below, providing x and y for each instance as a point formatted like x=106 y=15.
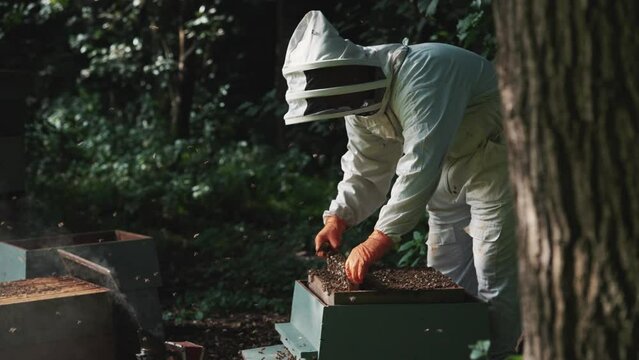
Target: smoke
x=132 y=332
x=120 y=298
x=100 y=272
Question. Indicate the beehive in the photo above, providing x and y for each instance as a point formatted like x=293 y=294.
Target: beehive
x=132 y=259
x=373 y=328
x=55 y=317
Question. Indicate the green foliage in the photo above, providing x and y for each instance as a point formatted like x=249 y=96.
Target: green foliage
x=16 y=13
x=427 y=7
x=413 y=251
x=475 y=30
x=467 y=23
x=479 y=350
x=138 y=40
x=145 y=176
x=242 y=267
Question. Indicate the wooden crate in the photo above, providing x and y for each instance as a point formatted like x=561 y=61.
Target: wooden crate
x=55 y=317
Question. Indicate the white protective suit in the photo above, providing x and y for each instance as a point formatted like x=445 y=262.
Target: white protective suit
x=432 y=117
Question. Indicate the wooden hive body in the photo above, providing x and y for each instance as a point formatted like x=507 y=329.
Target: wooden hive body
x=132 y=259
x=55 y=317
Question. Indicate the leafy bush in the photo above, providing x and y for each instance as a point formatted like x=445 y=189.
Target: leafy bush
x=413 y=251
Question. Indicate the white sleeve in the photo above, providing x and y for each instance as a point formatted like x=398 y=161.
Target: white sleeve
x=430 y=105
x=368 y=165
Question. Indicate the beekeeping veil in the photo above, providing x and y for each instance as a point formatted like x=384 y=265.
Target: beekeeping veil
x=328 y=76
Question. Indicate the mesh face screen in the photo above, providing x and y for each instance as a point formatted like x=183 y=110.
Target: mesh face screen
x=345 y=102
x=341 y=76
x=337 y=76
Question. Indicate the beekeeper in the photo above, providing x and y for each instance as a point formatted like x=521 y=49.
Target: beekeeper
x=429 y=113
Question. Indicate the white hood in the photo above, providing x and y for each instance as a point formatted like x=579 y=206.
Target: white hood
x=330 y=77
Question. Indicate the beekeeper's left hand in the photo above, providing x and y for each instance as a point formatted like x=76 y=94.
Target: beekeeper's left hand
x=365 y=254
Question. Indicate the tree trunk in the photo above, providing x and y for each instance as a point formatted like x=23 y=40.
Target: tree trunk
x=182 y=99
x=570 y=87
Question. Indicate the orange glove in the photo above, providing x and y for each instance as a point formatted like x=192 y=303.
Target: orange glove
x=330 y=237
x=365 y=254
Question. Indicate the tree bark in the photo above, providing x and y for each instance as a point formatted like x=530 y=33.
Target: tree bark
x=182 y=99
x=570 y=88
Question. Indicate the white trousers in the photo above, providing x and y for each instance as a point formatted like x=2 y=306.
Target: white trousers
x=472 y=238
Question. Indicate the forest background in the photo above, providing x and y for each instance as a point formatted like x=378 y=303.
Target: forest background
x=164 y=117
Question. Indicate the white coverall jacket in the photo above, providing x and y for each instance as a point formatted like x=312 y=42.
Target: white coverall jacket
x=437 y=127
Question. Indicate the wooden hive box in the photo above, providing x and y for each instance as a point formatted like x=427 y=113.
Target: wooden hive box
x=405 y=330
x=55 y=317
x=131 y=257
x=406 y=313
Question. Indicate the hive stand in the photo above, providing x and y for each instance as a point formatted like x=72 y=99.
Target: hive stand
x=424 y=331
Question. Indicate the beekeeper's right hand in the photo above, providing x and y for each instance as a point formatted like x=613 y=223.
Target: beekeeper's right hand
x=330 y=237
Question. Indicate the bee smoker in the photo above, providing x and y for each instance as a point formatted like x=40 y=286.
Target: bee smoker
x=151 y=347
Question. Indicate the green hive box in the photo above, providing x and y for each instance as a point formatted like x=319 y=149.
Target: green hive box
x=132 y=258
x=428 y=331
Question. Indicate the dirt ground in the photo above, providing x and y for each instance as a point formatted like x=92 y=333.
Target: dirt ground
x=226 y=334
